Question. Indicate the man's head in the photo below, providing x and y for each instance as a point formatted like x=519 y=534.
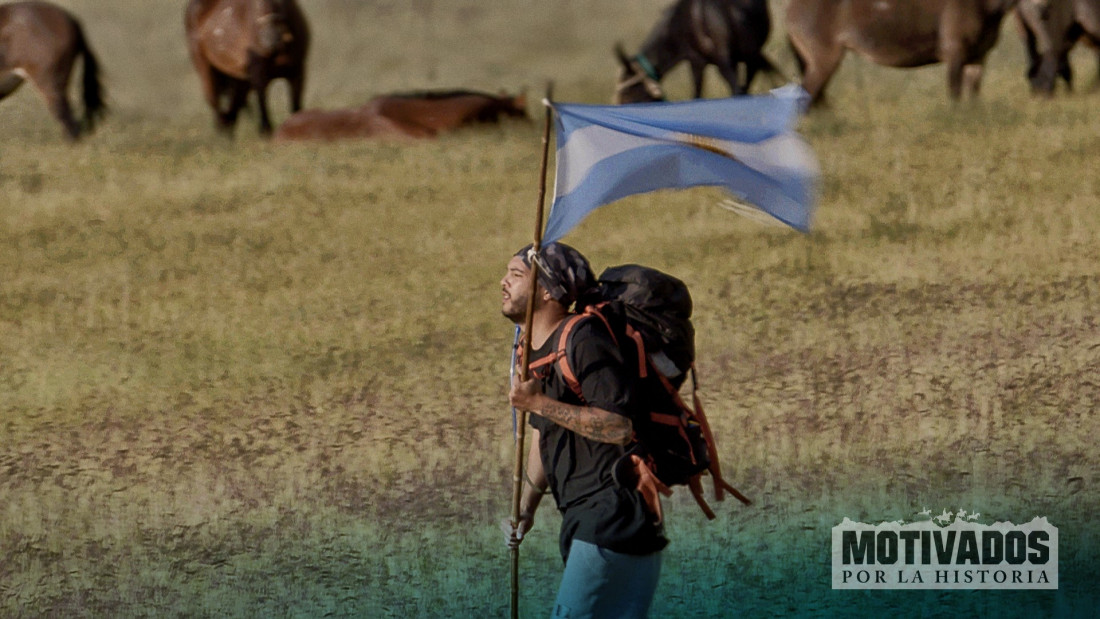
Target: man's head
x=564 y=276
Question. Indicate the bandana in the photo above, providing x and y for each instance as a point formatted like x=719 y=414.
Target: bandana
x=563 y=271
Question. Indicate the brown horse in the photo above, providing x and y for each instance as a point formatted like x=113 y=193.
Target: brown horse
x=242 y=45
x=725 y=33
x=40 y=42
x=1050 y=29
x=895 y=33
x=403 y=116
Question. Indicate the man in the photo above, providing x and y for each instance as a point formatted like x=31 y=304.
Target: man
x=610 y=537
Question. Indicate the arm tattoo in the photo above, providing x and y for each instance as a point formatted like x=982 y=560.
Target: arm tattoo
x=588 y=421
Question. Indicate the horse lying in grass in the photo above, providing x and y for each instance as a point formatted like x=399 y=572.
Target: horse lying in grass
x=414 y=115
x=40 y=42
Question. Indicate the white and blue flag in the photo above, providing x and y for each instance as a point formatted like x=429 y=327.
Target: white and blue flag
x=746 y=145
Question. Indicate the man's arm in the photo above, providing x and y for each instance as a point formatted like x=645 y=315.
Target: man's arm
x=588 y=421
x=534 y=481
x=534 y=487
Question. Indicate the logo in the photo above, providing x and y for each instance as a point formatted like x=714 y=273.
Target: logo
x=948 y=551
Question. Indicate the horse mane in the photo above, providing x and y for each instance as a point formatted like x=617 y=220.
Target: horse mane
x=434 y=95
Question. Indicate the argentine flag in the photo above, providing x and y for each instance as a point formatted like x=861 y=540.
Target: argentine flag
x=746 y=145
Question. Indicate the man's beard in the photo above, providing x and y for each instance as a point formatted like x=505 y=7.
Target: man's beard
x=516 y=312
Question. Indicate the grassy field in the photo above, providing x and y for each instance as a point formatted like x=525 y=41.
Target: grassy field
x=250 y=380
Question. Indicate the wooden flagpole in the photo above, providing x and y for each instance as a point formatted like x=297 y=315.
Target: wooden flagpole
x=521 y=423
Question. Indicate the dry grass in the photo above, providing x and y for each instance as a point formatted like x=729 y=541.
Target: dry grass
x=238 y=379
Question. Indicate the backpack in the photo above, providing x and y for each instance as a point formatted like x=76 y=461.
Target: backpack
x=648 y=313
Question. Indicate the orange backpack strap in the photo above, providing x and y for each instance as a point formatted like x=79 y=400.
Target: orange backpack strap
x=559 y=355
x=696 y=486
x=562 y=359
x=720 y=484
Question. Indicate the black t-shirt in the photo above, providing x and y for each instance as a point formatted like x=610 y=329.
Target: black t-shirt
x=594 y=507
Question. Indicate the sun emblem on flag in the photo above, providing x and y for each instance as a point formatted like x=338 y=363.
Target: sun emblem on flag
x=706 y=143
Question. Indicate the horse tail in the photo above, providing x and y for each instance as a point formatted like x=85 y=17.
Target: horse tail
x=94 y=104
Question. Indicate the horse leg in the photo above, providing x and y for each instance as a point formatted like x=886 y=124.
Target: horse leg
x=1073 y=34
x=728 y=70
x=297 y=83
x=1034 y=58
x=238 y=97
x=955 y=66
x=221 y=93
x=212 y=85
x=752 y=67
x=698 y=68
x=819 y=66
x=54 y=91
x=9 y=84
x=957 y=35
x=1065 y=70
x=1045 y=73
x=261 y=101
x=220 y=97
x=63 y=112
x=258 y=79
x=972 y=79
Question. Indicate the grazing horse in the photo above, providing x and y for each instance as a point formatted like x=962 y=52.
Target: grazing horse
x=409 y=115
x=895 y=33
x=40 y=42
x=243 y=45
x=1050 y=29
x=724 y=33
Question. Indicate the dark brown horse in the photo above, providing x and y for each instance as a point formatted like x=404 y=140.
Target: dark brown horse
x=403 y=116
x=1050 y=29
x=895 y=33
x=40 y=42
x=728 y=34
x=239 y=46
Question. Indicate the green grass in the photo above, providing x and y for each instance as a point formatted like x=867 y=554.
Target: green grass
x=244 y=379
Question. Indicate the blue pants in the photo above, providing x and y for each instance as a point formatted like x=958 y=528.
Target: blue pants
x=601 y=584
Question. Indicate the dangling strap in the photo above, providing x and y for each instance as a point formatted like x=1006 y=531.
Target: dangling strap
x=720 y=484
x=696 y=487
